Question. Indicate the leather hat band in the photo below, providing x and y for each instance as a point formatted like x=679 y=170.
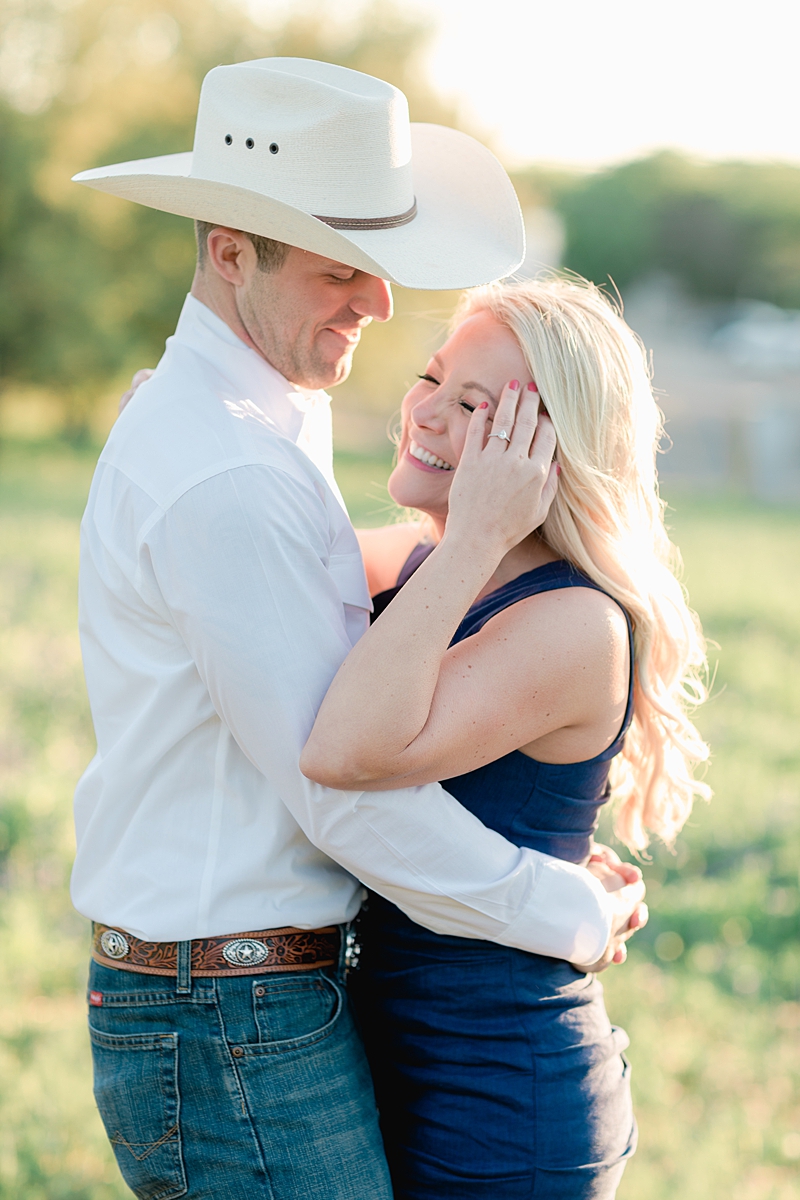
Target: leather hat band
x=370 y=222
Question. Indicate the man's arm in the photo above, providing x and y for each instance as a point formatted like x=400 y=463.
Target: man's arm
x=241 y=560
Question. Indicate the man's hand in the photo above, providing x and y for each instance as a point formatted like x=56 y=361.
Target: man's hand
x=624 y=881
x=140 y=377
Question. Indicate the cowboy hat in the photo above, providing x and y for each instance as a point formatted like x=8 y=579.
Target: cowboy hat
x=325 y=158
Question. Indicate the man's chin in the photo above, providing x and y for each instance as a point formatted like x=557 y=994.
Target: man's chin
x=331 y=374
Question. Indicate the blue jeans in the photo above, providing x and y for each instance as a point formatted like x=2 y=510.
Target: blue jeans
x=254 y=1086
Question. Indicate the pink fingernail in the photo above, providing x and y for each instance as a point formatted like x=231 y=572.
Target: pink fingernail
x=514 y=384
x=485 y=404
x=558 y=469
x=532 y=386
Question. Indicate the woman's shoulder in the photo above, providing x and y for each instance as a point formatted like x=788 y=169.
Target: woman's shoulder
x=576 y=636
x=549 y=672
x=579 y=606
x=555 y=592
x=577 y=613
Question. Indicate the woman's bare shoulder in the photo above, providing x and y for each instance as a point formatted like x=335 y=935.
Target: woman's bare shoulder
x=566 y=650
x=582 y=617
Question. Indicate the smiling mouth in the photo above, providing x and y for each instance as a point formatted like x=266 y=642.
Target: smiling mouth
x=430 y=460
x=351 y=338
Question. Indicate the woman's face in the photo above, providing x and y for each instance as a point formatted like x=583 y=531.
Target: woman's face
x=473 y=365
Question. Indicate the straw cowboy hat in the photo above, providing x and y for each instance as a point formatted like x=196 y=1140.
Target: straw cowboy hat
x=326 y=159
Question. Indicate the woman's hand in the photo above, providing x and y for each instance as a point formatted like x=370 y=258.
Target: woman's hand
x=625 y=881
x=604 y=861
x=139 y=378
x=505 y=482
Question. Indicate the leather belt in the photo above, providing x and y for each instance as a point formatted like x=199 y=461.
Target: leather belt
x=264 y=952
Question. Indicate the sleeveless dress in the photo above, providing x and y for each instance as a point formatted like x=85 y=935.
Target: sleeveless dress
x=497 y=1072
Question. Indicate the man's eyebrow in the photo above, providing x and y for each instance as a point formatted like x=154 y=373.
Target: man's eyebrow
x=333 y=264
x=478 y=387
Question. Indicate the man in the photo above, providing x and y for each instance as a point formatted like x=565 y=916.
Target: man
x=221 y=587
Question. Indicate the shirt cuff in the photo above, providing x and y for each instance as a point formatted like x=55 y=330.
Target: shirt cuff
x=567 y=916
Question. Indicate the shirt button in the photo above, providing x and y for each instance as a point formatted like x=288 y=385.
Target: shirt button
x=261 y=991
x=237 y=1052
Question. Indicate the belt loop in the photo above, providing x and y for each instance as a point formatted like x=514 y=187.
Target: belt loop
x=184 y=982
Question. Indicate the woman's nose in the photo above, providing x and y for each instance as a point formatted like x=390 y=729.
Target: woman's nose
x=428 y=413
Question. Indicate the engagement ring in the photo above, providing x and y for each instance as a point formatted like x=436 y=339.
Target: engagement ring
x=503 y=434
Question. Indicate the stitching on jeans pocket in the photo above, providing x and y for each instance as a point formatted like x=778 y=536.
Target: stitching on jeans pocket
x=119 y=1140
x=136 y=1089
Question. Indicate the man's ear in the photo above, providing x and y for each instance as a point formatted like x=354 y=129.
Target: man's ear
x=231 y=254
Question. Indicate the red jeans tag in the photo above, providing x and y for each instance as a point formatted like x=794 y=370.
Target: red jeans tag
x=96 y=999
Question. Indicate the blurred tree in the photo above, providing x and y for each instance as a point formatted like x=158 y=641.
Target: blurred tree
x=699 y=239
x=726 y=230
x=91 y=285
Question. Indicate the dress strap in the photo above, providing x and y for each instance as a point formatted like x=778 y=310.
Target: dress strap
x=548 y=578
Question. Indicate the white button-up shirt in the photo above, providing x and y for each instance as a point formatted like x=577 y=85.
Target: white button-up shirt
x=221 y=585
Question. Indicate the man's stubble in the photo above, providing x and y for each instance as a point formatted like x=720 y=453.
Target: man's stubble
x=290 y=339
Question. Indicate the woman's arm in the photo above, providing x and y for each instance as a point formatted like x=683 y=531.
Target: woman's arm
x=549 y=674
x=403 y=703
x=384 y=551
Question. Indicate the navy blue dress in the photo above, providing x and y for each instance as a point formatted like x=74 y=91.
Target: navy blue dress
x=497 y=1073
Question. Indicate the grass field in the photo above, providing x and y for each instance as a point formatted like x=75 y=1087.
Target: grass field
x=711 y=993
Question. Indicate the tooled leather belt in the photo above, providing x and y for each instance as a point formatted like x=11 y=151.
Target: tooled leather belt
x=263 y=952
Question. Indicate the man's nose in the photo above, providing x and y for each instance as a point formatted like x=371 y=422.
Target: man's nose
x=372 y=298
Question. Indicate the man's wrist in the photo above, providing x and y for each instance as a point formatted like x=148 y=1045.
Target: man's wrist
x=567 y=916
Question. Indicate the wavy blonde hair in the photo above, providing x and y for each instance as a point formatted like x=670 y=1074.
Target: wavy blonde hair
x=607 y=519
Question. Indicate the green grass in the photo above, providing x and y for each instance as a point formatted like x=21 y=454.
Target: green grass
x=711 y=993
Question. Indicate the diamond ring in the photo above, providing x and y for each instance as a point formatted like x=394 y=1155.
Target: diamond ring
x=503 y=434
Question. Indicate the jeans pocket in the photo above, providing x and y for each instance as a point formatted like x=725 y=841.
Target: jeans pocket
x=295 y=1010
x=136 y=1089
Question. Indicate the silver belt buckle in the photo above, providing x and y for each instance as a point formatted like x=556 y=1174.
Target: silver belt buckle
x=244 y=952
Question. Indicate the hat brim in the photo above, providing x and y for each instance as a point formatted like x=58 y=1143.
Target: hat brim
x=468 y=229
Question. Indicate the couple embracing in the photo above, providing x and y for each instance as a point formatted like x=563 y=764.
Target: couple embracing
x=264 y=754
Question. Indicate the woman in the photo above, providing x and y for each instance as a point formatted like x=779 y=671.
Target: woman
x=538 y=642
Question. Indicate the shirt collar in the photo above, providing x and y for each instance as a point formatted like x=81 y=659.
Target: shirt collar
x=250 y=375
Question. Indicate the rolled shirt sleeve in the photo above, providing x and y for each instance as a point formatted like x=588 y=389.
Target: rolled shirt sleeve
x=243 y=563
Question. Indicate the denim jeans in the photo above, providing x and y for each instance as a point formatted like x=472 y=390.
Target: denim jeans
x=254 y=1086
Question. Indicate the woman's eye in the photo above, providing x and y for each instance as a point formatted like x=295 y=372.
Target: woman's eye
x=429 y=379
x=469 y=407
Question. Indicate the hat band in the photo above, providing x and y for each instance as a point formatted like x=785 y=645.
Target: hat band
x=370 y=222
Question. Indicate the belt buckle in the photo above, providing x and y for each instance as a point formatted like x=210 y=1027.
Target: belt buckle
x=245 y=952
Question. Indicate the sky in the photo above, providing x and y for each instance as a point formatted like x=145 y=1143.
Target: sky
x=581 y=83
x=593 y=82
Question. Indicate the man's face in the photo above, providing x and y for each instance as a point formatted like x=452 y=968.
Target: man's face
x=306 y=318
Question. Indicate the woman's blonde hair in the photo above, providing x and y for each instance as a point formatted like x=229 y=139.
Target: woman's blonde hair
x=607 y=519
